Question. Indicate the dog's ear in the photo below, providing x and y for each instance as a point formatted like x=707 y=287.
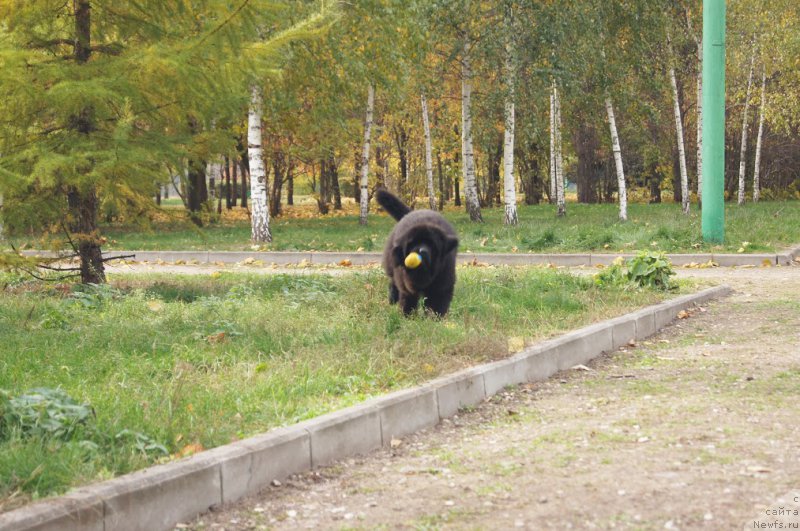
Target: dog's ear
x=450 y=244
x=397 y=254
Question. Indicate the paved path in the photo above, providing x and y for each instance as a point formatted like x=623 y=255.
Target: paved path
x=697 y=428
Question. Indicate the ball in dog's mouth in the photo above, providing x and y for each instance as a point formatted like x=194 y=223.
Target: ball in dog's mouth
x=413 y=260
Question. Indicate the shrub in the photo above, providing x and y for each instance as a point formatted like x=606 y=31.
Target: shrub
x=647 y=269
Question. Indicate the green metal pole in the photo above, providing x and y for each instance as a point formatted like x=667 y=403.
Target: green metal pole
x=713 y=214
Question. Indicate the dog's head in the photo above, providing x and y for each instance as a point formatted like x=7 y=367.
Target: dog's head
x=432 y=245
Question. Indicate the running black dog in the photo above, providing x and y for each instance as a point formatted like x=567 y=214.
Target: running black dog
x=420 y=257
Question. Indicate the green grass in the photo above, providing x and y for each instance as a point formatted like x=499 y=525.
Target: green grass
x=187 y=360
x=767 y=226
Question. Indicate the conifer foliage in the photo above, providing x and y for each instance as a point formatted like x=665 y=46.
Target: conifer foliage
x=104 y=99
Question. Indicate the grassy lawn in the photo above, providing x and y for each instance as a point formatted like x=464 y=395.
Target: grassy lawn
x=767 y=226
x=186 y=363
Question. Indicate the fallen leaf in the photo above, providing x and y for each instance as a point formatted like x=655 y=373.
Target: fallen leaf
x=683 y=314
x=395 y=443
x=345 y=263
x=248 y=261
x=216 y=338
x=190 y=449
x=582 y=368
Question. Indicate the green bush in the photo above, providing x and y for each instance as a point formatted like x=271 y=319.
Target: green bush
x=647 y=269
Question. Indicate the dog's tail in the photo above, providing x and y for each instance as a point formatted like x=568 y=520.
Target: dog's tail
x=392 y=204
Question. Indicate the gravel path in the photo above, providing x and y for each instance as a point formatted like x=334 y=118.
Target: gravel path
x=697 y=428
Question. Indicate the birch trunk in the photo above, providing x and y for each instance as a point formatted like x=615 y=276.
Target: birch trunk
x=558 y=168
x=623 y=194
x=509 y=183
x=700 y=123
x=258 y=173
x=467 y=154
x=681 y=147
x=743 y=150
x=364 y=184
x=552 y=146
x=428 y=153
x=756 y=170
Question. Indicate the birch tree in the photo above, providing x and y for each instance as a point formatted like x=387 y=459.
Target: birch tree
x=561 y=204
x=364 y=198
x=699 y=120
x=467 y=154
x=757 y=168
x=509 y=183
x=258 y=174
x=681 y=148
x=623 y=194
x=743 y=149
x=552 y=145
x=428 y=153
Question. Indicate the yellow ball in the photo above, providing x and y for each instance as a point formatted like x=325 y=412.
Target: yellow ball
x=413 y=260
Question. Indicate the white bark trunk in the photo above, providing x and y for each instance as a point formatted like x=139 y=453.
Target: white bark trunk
x=552 y=145
x=699 y=123
x=757 y=169
x=681 y=147
x=558 y=164
x=467 y=153
x=364 y=183
x=623 y=194
x=428 y=153
x=743 y=150
x=259 y=199
x=509 y=183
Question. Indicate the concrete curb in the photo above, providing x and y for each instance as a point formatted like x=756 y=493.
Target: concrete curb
x=158 y=497
x=366 y=258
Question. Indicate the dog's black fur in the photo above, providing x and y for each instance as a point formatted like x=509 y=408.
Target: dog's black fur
x=436 y=241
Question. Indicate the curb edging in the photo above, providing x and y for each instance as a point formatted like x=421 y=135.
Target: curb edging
x=785 y=257
x=161 y=496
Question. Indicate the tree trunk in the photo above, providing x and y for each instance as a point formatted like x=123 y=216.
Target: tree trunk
x=290 y=188
x=681 y=148
x=228 y=196
x=743 y=150
x=258 y=174
x=623 y=195
x=757 y=169
x=334 y=182
x=467 y=154
x=195 y=190
x=428 y=154
x=699 y=124
x=441 y=180
x=364 y=184
x=235 y=187
x=280 y=168
x=509 y=182
x=558 y=160
x=245 y=172
x=83 y=229
x=83 y=203
x=553 y=144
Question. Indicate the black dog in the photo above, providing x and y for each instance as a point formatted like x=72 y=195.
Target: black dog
x=420 y=257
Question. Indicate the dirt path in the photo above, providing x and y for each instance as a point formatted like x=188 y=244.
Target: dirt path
x=697 y=428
